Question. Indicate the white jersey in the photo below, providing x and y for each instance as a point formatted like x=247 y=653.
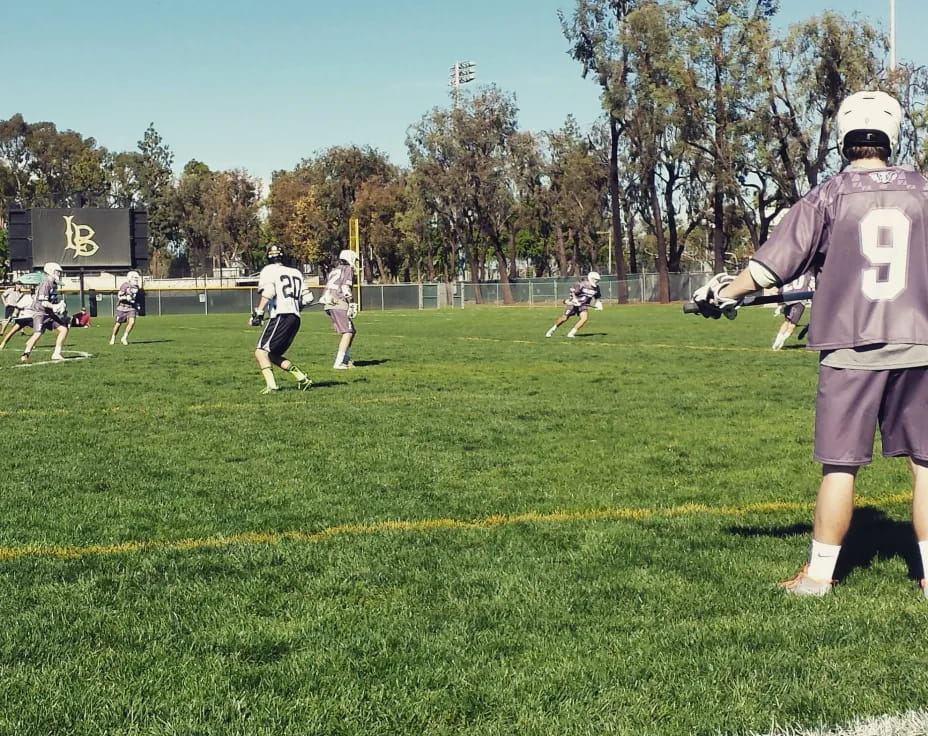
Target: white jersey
x=282 y=286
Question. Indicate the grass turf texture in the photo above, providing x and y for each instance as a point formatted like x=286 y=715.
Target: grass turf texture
x=478 y=530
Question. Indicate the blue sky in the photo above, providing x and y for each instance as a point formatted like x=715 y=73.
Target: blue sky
x=260 y=86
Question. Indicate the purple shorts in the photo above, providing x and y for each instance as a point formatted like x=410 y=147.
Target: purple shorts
x=793 y=312
x=44 y=321
x=341 y=322
x=851 y=404
x=572 y=310
x=124 y=315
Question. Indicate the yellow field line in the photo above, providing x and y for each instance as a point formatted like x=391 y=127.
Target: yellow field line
x=423 y=525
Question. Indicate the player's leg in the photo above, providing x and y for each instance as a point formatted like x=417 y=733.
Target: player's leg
x=344 y=326
x=920 y=514
x=62 y=335
x=584 y=316
x=560 y=320
x=130 y=323
x=115 y=331
x=17 y=327
x=263 y=359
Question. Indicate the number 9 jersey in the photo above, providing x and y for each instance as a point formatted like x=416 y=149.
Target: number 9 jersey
x=865 y=231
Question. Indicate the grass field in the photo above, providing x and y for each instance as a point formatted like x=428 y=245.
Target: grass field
x=476 y=531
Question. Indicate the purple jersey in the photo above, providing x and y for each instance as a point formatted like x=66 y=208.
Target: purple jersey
x=337 y=293
x=128 y=298
x=47 y=291
x=866 y=230
x=584 y=293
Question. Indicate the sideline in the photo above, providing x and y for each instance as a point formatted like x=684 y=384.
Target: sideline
x=381 y=527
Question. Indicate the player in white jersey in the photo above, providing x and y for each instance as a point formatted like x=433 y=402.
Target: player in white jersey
x=866 y=231
x=338 y=301
x=281 y=290
x=22 y=315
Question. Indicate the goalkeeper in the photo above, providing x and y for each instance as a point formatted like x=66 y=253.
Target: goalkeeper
x=583 y=294
x=338 y=301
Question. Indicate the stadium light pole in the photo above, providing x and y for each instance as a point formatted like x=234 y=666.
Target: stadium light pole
x=892 y=36
x=461 y=72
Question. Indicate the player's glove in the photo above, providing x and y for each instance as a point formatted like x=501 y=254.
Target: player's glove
x=59 y=307
x=352 y=310
x=306 y=298
x=710 y=304
x=256 y=318
x=781 y=309
x=598 y=306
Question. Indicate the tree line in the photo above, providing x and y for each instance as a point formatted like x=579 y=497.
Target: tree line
x=714 y=123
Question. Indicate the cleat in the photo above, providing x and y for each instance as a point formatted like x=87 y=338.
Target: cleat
x=924 y=586
x=112 y=341
x=549 y=333
x=304 y=384
x=349 y=363
x=339 y=367
x=124 y=341
x=269 y=390
x=25 y=358
x=57 y=356
x=805 y=586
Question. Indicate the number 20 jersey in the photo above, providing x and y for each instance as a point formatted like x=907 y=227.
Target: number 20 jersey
x=282 y=286
x=866 y=233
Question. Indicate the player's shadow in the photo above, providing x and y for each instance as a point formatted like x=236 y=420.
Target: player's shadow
x=872 y=536
x=365 y=363
x=593 y=334
x=794 y=346
x=147 y=342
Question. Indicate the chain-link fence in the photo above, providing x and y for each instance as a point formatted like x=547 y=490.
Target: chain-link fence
x=232 y=300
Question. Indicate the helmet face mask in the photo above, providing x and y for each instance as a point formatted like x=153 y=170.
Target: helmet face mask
x=871 y=119
x=134 y=278
x=593 y=277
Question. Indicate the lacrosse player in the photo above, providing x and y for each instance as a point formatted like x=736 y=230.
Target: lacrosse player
x=281 y=289
x=792 y=312
x=583 y=294
x=10 y=299
x=50 y=313
x=338 y=301
x=22 y=316
x=867 y=230
x=127 y=306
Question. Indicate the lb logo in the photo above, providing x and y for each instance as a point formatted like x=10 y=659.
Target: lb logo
x=79 y=238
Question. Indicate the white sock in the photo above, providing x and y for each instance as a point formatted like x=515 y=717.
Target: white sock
x=822 y=560
x=923 y=551
x=340 y=357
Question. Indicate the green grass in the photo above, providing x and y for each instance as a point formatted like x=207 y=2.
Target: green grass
x=477 y=531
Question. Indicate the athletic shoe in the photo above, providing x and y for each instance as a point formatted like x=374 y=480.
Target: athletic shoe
x=304 y=384
x=112 y=341
x=569 y=335
x=25 y=358
x=549 y=333
x=57 y=356
x=124 y=341
x=805 y=586
x=339 y=367
x=269 y=390
x=924 y=584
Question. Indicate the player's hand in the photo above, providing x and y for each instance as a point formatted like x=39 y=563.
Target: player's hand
x=713 y=306
x=59 y=307
x=306 y=298
x=352 y=310
x=598 y=306
x=256 y=319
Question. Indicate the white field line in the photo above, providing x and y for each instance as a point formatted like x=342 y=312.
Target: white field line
x=69 y=356
x=911 y=723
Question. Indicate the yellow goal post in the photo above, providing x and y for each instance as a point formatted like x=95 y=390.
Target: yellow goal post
x=354 y=243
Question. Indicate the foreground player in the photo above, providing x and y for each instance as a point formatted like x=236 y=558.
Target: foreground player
x=867 y=228
x=50 y=313
x=338 y=301
x=792 y=311
x=281 y=289
x=127 y=306
x=582 y=294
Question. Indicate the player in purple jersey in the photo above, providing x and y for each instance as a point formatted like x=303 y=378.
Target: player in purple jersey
x=127 y=306
x=866 y=229
x=338 y=301
x=792 y=311
x=50 y=313
x=584 y=294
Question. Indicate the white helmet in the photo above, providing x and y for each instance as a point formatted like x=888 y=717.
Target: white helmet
x=134 y=278
x=53 y=269
x=869 y=119
x=593 y=277
x=349 y=256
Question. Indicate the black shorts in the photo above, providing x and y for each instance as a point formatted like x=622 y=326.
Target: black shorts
x=279 y=333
